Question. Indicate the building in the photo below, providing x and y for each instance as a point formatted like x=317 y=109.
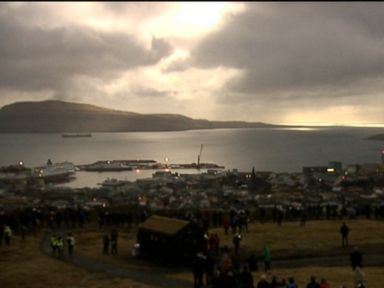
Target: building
x=315 y=169
x=167 y=238
x=335 y=167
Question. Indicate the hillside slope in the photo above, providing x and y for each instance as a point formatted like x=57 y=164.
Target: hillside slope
x=58 y=116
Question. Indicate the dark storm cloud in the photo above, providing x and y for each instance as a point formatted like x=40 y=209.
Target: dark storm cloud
x=293 y=48
x=35 y=58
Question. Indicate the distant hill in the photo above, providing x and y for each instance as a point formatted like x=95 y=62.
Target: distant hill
x=377 y=137
x=60 y=117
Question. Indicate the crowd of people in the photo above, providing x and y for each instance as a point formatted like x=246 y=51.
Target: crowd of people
x=228 y=274
x=57 y=244
x=220 y=268
x=216 y=267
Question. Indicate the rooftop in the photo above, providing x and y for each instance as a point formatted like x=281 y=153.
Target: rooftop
x=164 y=225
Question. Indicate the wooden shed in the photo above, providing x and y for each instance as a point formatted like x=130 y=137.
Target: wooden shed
x=169 y=238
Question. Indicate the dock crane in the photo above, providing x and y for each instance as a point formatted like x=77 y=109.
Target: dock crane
x=199 y=156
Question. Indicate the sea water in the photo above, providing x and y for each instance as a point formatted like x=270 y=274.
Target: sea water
x=266 y=149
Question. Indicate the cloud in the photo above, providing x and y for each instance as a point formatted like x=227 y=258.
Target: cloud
x=256 y=61
x=150 y=92
x=137 y=9
x=38 y=58
x=289 y=50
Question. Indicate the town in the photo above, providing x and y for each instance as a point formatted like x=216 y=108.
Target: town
x=329 y=190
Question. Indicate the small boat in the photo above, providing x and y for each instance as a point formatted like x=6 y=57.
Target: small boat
x=66 y=135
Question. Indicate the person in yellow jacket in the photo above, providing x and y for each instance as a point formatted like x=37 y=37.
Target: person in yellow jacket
x=53 y=243
x=7 y=235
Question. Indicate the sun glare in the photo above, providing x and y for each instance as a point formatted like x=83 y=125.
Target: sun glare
x=190 y=19
x=199 y=15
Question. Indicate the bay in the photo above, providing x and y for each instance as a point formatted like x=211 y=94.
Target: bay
x=266 y=149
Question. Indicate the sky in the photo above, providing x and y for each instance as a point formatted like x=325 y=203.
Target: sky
x=296 y=62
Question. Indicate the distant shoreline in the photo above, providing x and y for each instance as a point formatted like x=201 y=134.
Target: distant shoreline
x=377 y=137
x=267 y=126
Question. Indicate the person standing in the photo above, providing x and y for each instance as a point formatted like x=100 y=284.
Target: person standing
x=105 y=244
x=236 y=243
x=53 y=242
x=313 y=283
x=359 y=278
x=114 y=236
x=198 y=268
x=70 y=243
x=226 y=225
x=324 y=284
x=252 y=262
x=245 y=278
x=7 y=235
x=344 y=231
x=209 y=268
x=263 y=283
x=1 y=234
x=291 y=283
x=267 y=258
x=356 y=258
x=23 y=232
x=60 y=246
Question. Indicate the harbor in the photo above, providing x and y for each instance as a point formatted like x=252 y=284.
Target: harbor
x=331 y=187
x=129 y=165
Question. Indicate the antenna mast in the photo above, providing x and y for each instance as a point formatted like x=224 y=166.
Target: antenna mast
x=199 y=156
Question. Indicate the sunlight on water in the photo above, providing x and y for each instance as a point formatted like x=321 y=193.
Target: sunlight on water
x=299 y=128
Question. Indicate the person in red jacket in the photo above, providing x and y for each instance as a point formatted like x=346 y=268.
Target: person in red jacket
x=324 y=284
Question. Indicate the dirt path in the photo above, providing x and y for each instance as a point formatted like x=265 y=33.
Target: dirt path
x=155 y=278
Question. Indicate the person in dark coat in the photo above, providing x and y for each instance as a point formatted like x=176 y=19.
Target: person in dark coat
x=209 y=269
x=344 y=231
x=198 y=268
x=236 y=243
x=252 y=263
x=291 y=283
x=263 y=283
x=105 y=244
x=312 y=283
x=228 y=280
x=356 y=258
x=245 y=279
x=114 y=236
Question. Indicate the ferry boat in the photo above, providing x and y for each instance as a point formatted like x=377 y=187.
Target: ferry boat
x=72 y=135
x=53 y=171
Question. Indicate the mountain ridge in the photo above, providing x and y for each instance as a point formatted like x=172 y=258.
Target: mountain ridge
x=55 y=116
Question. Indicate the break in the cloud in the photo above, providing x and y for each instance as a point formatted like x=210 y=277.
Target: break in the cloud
x=255 y=61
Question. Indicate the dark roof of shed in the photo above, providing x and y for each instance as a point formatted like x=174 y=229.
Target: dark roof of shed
x=164 y=225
